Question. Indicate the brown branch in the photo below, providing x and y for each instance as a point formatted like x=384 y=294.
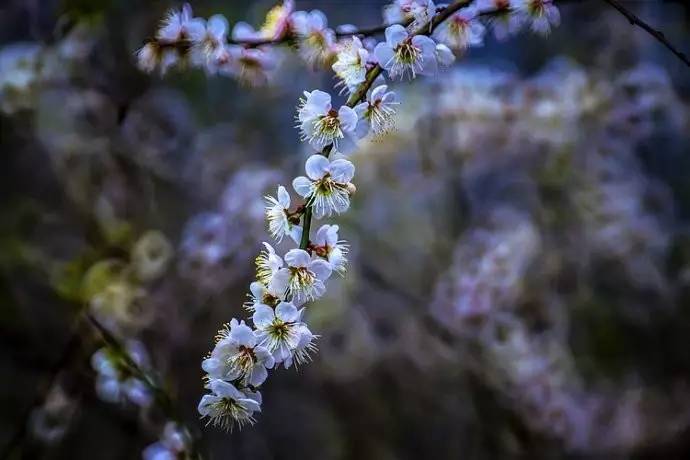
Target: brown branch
x=657 y=34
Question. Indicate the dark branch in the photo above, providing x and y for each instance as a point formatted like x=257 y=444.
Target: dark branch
x=636 y=21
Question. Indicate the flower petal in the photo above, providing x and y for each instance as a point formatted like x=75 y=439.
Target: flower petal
x=348 y=118
x=297 y=258
x=287 y=312
x=395 y=34
x=342 y=170
x=263 y=316
x=384 y=55
x=316 y=166
x=302 y=186
x=321 y=269
x=283 y=197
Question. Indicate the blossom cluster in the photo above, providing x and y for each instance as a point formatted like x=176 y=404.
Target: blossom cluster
x=420 y=38
x=249 y=55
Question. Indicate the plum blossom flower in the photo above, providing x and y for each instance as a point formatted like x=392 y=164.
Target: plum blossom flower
x=267 y=264
x=114 y=382
x=172 y=445
x=444 y=56
x=209 y=46
x=321 y=125
x=260 y=293
x=237 y=356
x=179 y=25
x=316 y=39
x=418 y=11
x=504 y=20
x=462 y=30
x=351 y=63
x=303 y=278
x=282 y=332
x=402 y=55
x=251 y=66
x=280 y=221
x=376 y=113
x=278 y=21
x=227 y=406
x=327 y=245
x=542 y=14
x=327 y=185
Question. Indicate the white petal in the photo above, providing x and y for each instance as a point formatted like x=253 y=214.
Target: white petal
x=348 y=118
x=287 y=312
x=395 y=34
x=259 y=375
x=321 y=269
x=444 y=55
x=316 y=166
x=243 y=31
x=217 y=26
x=384 y=55
x=342 y=170
x=297 y=258
x=225 y=389
x=283 y=197
x=378 y=92
x=279 y=282
x=263 y=316
x=302 y=186
x=317 y=20
x=321 y=235
x=257 y=289
x=318 y=102
x=243 y=334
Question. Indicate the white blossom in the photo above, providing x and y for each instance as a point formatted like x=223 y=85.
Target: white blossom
x=404 y=55
x=278 y=216
x=462 y=30
x=278 y=20
x=377 y=112
x=209 y=46
x=316 y=39
x=541 y=14
x=504 y=20
x=444 y=56
x=321 y=125
x=237 y=356
x=327 y=245
x=267 y=264
x=351 y=63
x=303 y=278
x=228 y=406
x=418 y=11
x=281 y=331
x=173 y=444
x=327 y=185
x=179 y=25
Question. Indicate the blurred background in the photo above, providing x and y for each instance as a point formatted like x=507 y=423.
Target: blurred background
x=519 y=279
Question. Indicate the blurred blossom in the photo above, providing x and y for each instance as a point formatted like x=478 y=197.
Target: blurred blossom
x=50 y=422
x=116 y=381
x=151 y=255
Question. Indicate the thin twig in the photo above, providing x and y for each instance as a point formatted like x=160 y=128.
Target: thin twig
x=657 y=34
x=163 y=400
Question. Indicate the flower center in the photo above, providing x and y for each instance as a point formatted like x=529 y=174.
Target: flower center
x=300 y=277
x=407 y=53
x=244 y=359
x=279 y=330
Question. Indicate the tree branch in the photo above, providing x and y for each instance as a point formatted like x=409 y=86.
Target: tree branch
x=657 y=34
